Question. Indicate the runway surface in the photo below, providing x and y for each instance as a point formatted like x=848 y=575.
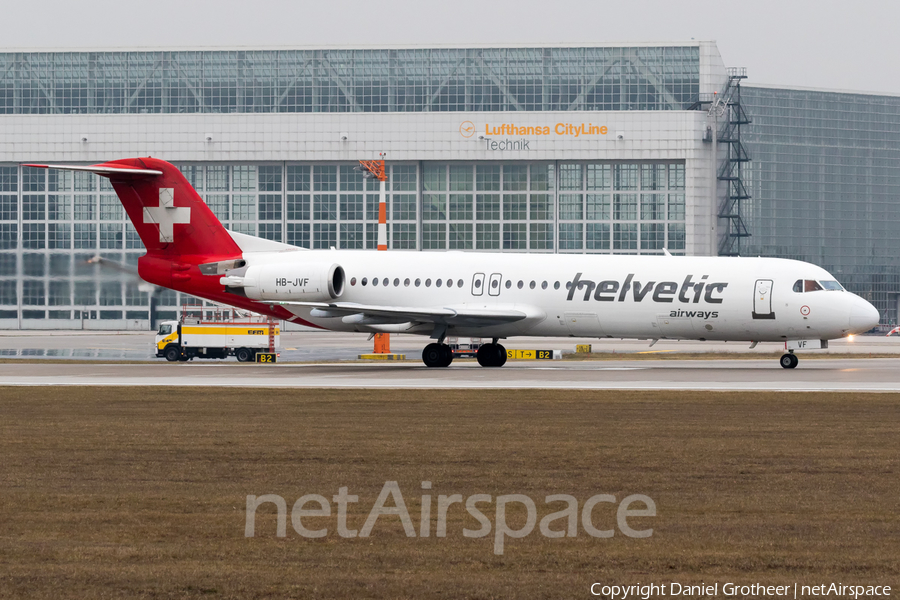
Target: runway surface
x=822 y=375
x=319 y=346
x=301 y=351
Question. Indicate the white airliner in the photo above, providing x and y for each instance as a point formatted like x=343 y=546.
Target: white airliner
x=487 y=295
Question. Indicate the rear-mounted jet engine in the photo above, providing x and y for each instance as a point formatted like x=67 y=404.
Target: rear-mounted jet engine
x=303 y=283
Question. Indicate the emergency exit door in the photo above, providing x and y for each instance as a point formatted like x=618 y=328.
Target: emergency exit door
x=762 y=299
x=494 y=284
x=478 y=284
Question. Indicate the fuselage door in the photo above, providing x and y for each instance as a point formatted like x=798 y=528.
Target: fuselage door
x=583 y=324
x=494 y=285
x=762 y=299
x=478 y=284
x=675 y=327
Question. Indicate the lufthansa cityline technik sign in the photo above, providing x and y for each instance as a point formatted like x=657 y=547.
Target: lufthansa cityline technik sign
x=467 y=129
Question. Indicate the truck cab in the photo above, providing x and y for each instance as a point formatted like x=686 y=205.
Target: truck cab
x=167 y=338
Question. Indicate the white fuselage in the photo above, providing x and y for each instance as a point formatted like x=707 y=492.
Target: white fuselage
x=651 y=297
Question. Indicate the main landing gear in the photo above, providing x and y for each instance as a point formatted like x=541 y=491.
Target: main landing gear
x=440 y=355
x=437 y=355
x=789 y=361
x=491 y=355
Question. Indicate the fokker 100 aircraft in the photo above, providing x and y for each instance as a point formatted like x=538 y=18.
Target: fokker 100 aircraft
x=487 y=295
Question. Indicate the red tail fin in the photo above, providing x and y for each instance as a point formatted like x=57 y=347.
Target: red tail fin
x=179 y=231
x=171 y=219
x=169 y=215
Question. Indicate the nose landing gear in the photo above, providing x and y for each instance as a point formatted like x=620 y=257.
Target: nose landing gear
x=789 y=361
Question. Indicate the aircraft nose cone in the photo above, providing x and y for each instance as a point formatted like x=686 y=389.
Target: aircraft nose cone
x=863 y=316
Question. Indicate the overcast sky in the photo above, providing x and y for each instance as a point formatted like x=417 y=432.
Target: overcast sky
x=809 y=43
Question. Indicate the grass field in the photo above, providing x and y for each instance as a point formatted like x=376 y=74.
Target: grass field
x=140 y=492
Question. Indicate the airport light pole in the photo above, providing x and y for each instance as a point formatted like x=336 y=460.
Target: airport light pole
x=374 y=169
x=716 y=110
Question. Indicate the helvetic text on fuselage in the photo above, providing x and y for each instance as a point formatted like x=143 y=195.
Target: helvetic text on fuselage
x=610 y=290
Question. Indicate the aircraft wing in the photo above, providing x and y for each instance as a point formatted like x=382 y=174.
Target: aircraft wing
x=366 y=314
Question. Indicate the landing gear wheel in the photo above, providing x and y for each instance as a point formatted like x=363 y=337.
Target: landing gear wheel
x=485 y=354
x=243 y=355
x=172 y=353
x=491 y=355
x=446 y=355
x=789 y=361
x=501 y=355
x=433 y=355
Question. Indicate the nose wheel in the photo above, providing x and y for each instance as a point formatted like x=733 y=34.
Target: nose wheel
x=789 y=361
x=437 y=355
x=491 y=355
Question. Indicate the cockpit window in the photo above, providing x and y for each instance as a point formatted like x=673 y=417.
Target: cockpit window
x=810 y=285
x=165 y=329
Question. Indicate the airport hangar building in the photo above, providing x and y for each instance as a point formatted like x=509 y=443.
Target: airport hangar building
x=601 y=149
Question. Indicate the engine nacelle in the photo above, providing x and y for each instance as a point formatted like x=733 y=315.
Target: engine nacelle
x=303 y=282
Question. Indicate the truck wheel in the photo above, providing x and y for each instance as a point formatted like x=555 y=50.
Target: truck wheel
x=243 y=355
x=172 y=353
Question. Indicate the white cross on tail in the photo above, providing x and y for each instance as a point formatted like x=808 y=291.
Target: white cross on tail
x=167 y=214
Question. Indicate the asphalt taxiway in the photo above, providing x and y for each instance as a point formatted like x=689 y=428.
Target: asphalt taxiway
x=818 y=375
x=318 y=346
x=303 y=354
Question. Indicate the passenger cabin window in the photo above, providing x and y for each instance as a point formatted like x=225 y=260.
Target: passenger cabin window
x=165 y=329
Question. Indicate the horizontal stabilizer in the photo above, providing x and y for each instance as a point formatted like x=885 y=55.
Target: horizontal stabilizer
x=116 y=171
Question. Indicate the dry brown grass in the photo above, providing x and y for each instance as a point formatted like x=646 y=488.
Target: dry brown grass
x=140 y=492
